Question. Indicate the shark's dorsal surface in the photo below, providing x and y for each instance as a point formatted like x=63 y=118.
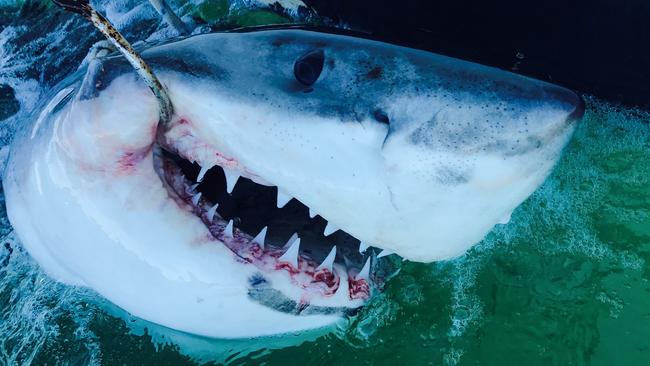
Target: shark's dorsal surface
x=404 y=150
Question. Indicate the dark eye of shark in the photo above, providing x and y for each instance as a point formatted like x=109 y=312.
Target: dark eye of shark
x=309 y=66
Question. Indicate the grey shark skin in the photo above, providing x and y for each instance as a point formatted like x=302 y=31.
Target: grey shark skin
x=405 y=150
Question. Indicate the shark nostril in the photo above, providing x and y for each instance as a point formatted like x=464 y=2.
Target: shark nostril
x=381 y=116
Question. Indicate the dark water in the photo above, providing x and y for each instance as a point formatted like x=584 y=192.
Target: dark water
x=564 y=283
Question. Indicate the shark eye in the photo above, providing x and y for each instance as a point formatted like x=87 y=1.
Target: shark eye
x=308 y=67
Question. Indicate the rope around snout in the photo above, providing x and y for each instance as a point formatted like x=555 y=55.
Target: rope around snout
x=83 y=8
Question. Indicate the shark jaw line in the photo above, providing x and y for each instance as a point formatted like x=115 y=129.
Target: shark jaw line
x=203 y=190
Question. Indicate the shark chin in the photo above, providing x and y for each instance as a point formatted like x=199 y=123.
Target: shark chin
x=294 y=164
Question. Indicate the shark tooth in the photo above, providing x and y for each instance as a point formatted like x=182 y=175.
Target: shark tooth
x=260 y=237
x=193 y=187
x=328 y=261
x=312 y=213
x=196 y=198
x=363 y=247
x=505 y=219
x=283 y=199
x=212 y=211
x=365 y=271
x=291 y=255
x=204 y=169
x=384 y=253
x=330 y=228
x=231 y=179
x=228 y=231
x=291 y=239
x=347 y=261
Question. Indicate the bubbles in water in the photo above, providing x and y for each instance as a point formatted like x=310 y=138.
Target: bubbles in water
x=39 y=314
x=380 y=312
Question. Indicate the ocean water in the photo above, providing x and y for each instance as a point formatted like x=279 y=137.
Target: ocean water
x=565 y=282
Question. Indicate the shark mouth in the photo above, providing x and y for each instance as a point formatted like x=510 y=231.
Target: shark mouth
x=272 y=232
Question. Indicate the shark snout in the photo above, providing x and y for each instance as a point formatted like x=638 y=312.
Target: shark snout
x=568 y=101
x=578 y=112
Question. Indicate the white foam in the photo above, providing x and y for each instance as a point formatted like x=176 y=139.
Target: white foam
x=37 y=306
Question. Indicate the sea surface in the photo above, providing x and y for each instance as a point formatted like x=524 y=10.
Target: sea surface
x=565 y=282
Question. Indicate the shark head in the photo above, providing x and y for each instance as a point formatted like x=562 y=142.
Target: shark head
x=344 y=141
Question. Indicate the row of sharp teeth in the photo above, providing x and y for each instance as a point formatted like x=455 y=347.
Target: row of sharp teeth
x=291 y=254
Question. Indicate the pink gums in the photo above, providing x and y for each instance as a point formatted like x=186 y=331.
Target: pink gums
x=359 y=289
x=200 y=151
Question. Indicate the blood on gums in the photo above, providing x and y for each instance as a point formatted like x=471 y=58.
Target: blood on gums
x=359 y=289
x=287 y=266
x=257 y=251
x=328 y=278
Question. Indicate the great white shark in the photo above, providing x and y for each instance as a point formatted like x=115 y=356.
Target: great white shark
x=348 y=141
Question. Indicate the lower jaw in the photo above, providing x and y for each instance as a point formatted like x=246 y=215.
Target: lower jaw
x=306 y=275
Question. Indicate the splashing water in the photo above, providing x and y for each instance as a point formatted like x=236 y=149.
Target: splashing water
x=564 y=282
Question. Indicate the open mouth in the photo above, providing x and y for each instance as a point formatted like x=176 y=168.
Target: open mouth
x=275 y=235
